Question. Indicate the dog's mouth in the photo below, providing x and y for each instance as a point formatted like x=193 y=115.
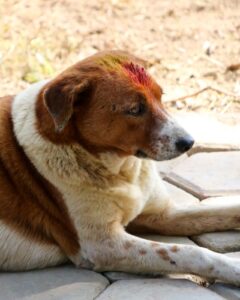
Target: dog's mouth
x=141 y=154
x=166 y=153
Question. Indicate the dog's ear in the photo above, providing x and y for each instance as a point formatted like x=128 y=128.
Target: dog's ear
x=59 y=98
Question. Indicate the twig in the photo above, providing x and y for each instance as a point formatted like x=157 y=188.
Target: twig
x=213 y=60
x=218 y=90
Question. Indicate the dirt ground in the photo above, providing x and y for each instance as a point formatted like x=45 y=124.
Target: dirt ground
x=189 y=44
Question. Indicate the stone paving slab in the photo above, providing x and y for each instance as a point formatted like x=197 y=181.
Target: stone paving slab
x=211 y=133
x=227 y=291
x=61 y=283
x=223 y=242
x=157 y=289
x=165 y=167
x=115 y=276
x=223 y=201
x=179 y=196
x=204 y=174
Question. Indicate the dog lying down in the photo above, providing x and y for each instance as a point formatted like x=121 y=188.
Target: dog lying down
x=77 y=174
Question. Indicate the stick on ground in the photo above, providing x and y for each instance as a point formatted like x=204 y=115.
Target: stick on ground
x=209 y=87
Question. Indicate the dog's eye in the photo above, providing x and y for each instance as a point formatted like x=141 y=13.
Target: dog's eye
x=137 y=110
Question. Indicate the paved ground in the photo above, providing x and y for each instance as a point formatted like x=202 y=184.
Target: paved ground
x=211 y=173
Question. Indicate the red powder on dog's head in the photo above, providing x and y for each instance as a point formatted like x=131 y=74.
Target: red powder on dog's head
x=137 y=73
x=122 y=64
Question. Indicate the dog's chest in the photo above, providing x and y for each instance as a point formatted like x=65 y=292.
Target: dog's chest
x=123 y=201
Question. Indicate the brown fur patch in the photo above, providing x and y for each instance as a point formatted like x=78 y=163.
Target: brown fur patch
x=163 y=253
x=174 y=248
x=127 y=245
x=29 y=204
x=142 y=252
x=237 y=219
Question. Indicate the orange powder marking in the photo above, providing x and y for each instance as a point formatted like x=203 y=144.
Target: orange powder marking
x=112 y=62
x=121 y=64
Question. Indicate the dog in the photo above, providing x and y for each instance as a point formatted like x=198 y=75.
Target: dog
x=78 y=176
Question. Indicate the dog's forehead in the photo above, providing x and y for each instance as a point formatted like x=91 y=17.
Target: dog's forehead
x=132 y=68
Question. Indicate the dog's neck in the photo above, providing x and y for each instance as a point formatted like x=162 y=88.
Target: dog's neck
x=129 y=166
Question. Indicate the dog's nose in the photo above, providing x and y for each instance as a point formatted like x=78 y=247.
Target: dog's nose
x=184 y=144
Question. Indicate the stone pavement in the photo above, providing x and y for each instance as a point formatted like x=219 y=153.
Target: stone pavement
x=210 y=173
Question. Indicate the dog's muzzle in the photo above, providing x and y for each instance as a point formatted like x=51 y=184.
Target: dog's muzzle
x=168 y=142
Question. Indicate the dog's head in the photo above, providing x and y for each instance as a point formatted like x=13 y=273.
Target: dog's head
x=108 y=102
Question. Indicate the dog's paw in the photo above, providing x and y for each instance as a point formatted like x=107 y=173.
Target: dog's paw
x=202 y=281
x=85 y=264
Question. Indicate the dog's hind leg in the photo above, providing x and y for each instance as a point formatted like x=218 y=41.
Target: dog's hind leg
x=217 y=214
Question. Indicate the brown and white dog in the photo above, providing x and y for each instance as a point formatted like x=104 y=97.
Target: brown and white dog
x=77 y=166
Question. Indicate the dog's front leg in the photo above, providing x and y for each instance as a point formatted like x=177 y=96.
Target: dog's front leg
x=210 y=216
x=123 y=252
